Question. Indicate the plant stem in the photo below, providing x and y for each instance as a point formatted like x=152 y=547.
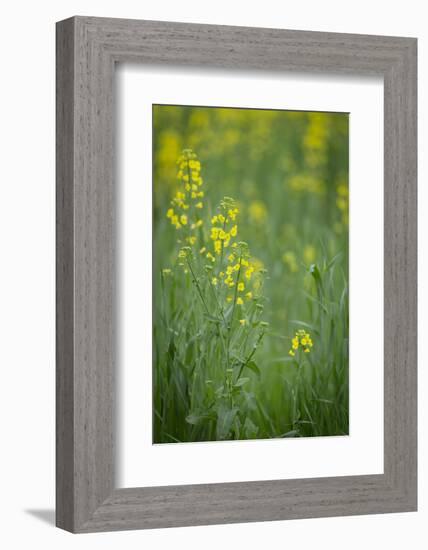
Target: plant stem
x=197 y=286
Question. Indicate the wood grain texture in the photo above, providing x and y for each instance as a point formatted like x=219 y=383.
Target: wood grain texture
x=87 y=50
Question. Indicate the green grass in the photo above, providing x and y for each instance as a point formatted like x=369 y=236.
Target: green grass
x=222 y=368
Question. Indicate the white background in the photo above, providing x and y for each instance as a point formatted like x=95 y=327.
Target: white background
x=362 y=451
x=27 y=273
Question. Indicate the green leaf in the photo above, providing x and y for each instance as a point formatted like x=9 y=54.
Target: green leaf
x=252 y=366
x=241 y=382
x=333 y=261
x=250 y=429
x=197 y=418
x=315 y=272
x=291 y=433
x=212 y=319
x=225 y=417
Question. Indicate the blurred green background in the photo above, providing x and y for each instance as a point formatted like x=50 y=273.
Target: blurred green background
x=288 y=171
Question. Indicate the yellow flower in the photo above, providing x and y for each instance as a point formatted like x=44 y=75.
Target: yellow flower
x=202 y=250
x=232 y=213
x=221 y=218
x=234 y=231
x=214 y=220
x=174 y=221
x=214 y=281
x=243 y=321
x=249 y=272
x=170 y=213
x=183 y=219
x=249 y=295
x=210 y=257
x=214 y=233
x=241 y=287
x=239 y=301
x=231 y=258
x=229 y=281
x=229 y=299
x=301 y=339
x=191 y=240
x=199 y=205
x=217 y=247
x=194 y=165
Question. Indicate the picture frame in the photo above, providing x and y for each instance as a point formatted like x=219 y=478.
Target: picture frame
x=87 y=50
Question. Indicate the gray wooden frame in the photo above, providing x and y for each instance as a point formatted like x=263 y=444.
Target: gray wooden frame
x=87 y=50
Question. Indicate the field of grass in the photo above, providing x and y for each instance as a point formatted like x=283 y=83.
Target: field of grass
x=250 y=271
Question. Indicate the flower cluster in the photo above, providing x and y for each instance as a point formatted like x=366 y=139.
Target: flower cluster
x=187 y=200
x=234 y=267
x=234 y=276
x=224 y=228
x=303 y=340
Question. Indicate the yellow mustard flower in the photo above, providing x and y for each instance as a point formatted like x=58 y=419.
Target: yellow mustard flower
x=248 y=272
x=301 y=340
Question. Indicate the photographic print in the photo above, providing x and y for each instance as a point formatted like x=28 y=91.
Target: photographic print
x=250 y=274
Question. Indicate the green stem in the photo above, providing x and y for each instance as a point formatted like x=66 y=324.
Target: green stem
x=221 y=312
x=197 y=286
x=253 y=351
x=229 y=328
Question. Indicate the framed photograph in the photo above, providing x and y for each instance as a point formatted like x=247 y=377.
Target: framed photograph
x=236 y=274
